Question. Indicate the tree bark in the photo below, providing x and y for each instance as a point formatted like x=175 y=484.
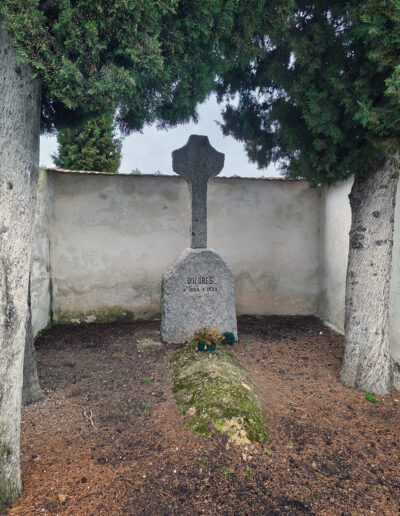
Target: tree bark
x=31 y=391
x=367 y=363
x=19 y=162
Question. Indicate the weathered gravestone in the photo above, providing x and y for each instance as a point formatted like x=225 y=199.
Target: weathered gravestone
x=198 y=289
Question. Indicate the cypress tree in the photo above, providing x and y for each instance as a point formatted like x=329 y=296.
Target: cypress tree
x=322 y=98
x=93 y=147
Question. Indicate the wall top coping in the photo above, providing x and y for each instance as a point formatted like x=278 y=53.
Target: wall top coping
x=171 y=176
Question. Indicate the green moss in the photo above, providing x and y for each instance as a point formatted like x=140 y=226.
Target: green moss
x=5 y=450
x=214 y=392
x=43 y=331
x=102 y=315
x=8 y=493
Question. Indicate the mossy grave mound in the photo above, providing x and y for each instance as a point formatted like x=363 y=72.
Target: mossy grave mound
x=214 y=392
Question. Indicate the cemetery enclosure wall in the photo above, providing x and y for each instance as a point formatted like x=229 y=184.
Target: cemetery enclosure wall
x=102 y=243
x=110 y=238
x=334 y=245
x=40 y=260
x=334 y=249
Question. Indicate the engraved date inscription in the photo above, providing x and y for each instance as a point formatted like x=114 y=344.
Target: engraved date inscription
x=200 y=284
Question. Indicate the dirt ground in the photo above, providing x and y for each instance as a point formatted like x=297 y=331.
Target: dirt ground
x=330 y=451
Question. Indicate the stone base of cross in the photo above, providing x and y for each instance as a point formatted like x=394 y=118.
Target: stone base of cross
x=198 y=288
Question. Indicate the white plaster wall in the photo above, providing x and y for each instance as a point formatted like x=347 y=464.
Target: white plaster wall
x=113 y=236
x=40 y=265
x=334 y=250
x=267 y=230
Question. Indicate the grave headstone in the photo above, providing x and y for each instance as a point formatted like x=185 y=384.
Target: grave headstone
x=198 y=289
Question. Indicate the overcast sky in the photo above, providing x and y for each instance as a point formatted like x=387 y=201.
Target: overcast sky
x=151 y=150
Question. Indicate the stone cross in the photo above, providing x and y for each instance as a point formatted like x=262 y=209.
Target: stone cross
x=198 y=162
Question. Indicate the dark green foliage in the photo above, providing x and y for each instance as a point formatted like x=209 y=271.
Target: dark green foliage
x=93 y=147
x=323 y=96
x=152 y=60
x=229 y=338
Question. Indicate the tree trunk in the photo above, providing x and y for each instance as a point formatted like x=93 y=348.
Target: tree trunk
x=367 y=362
x=19 y=162
x=31 y=391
